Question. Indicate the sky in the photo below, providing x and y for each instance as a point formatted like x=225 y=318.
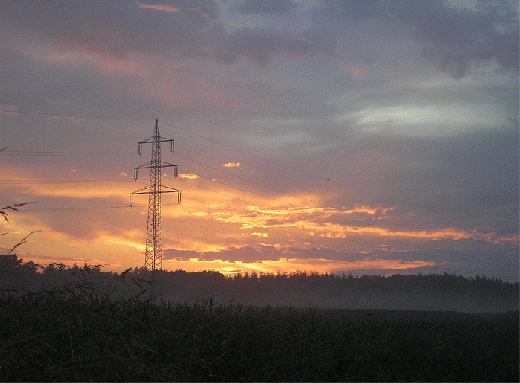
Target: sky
x=363 y=137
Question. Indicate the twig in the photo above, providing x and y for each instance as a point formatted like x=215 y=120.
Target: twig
x=22 y=241
x=14 y=207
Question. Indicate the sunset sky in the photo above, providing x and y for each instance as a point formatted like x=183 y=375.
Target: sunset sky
x=364 y=137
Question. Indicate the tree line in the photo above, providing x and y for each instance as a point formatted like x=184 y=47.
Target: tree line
x=297 y=288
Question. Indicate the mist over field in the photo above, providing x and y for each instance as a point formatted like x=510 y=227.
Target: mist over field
x=429 y=292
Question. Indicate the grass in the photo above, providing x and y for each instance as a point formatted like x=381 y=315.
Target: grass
x=58 y=338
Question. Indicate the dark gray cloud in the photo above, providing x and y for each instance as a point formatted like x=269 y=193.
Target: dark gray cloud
x=263 y=252
x=113 y=28
x=247 y=254
x=467 y=182
x=249 y=7
x=455 y=39
x=185 y=27
x=461 y=257
x=260 y=44
x=471 y=181
x=467 y=259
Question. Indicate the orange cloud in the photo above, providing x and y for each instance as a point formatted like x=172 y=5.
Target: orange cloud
x=158 y=7
x=197 y=10
x=368 y=209
x=232 y=217
x=355 y=71
x=211 y=218
x=9 y=110
x=310 y=221
x=169 y=8
x=78 y=190
x=135 y=63
x=189 y=176
x=231 y=165
x=287 y=265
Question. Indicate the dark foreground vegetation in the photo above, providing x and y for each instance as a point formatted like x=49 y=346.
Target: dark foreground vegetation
x=53 y=338
x=80 y=324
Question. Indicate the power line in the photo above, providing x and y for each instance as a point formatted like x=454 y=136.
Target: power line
x=15 y=182
x=44 y=182
x=232 y=175
x=16 y=112
x=3 y=151
x=247 y=152
x=27 y=153
x=76 y=208
x=61 y=154
x=250 y=153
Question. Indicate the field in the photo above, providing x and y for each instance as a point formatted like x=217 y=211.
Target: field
x=55 y=339
x=84 y=325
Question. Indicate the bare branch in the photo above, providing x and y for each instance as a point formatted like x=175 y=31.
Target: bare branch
x=22 y=241
x=13 y=207
x=23 y=203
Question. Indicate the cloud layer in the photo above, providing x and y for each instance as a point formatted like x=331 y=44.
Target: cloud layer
x=323 y=135
x=456 y=38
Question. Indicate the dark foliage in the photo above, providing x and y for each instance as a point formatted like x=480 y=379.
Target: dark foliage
x=47 y=338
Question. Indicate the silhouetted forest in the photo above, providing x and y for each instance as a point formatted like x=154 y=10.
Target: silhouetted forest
x=446 y=292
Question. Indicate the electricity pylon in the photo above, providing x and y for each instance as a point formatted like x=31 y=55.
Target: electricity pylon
x=153 y=252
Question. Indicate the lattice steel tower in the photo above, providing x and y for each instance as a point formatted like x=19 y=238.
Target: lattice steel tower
x=153 y=252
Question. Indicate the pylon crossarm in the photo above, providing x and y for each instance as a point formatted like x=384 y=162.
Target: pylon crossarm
x=145 y=191
x=159 y=139
x=142 y=190
x=162 y=139
x=172 y=190
x=149 y=165
x=168 y=189
x=138 y=191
